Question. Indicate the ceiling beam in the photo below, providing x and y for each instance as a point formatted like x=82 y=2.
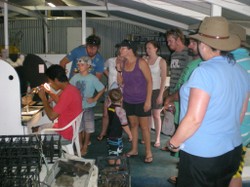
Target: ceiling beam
x=114 y=8
x=66 y=8
x=21 y=10
x=232 y=5
x=125 y=21
x=174 y=9
x=156 y=18
x=139 y=13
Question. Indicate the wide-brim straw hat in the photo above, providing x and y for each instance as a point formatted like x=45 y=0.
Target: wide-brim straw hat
x=214 y=31
x=240 y=32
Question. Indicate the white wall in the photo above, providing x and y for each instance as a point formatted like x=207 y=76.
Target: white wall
x=54 y=59
x=10 y=99
x=74 y=36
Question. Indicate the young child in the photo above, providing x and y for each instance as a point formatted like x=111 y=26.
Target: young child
x=87 y=84
x=117 y=123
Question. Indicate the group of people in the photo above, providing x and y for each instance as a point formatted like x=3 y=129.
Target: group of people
x=213 y=101
x=209 y=87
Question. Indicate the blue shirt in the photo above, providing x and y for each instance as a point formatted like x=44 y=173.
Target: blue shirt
x=242 y=57
x=87 y=85
x=227 y=85
x=75 y=54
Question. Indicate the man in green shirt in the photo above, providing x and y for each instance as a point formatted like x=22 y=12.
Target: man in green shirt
x=174 y=97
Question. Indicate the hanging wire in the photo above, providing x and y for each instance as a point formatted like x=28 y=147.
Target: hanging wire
x=40 y=148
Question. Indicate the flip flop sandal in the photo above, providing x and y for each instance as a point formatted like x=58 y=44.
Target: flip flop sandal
x=128 y=155
x=148 y=160
x=172 y=179
x=165 y=149
x=157 y=145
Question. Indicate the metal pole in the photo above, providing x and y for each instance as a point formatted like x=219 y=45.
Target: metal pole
x=5 y=53
x=83 y=27
x=46 y=32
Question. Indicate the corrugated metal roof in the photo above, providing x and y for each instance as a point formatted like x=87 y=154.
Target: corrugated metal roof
x=158 y=15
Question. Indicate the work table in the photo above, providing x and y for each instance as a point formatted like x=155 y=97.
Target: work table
x=36 y=116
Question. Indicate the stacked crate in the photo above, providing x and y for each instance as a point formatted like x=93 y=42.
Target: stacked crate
x=22 y=157
x=113 y=175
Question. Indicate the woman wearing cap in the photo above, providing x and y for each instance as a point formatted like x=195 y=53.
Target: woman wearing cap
x=137 y=92
x=213 y=103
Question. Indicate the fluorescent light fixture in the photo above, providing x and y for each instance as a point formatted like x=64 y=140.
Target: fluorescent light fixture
x=51 y=5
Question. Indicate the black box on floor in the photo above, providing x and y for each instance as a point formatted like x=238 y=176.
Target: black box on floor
x=113 y=172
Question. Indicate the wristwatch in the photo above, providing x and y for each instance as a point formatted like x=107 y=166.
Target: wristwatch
x=172 y=147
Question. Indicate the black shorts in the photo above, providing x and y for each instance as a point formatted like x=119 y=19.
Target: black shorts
x=210 y=172
x=136 y=110
x=155 y=95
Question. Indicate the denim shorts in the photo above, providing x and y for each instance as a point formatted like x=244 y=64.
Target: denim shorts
x=88 y=121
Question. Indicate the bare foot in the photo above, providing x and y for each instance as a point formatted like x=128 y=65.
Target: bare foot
x=157 y=145
x=131 y=154
x=84 y=151
x=100 y=137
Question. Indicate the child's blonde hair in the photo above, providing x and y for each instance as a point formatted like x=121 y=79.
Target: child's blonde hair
x=85 y=60
x=115 y=95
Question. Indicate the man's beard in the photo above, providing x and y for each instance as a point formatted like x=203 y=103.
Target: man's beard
x=191 y=53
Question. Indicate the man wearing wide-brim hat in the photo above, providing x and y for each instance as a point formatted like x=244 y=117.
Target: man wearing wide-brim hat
x=213 y=102
x=242 y=58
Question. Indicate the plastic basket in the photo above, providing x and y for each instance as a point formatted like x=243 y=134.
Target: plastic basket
x=69 y=175
x=111 y=175
x=21 y=157
x=20 y=178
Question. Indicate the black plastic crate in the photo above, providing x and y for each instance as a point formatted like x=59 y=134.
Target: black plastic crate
x=113 y=175
x=52 y=148
x=21 y=157
x=20 y=178
x=18 y=152
x=28 y=146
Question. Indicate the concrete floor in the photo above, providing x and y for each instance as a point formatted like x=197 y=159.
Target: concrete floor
x=147 y=175
x=142 y=175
